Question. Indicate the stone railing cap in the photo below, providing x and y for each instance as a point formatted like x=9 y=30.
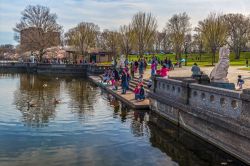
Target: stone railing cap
x=246 y=95
x=246 y=91
x=216 y=90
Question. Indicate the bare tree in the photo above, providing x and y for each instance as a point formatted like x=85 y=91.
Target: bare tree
x=37 y=29
x=127 y=39
x=238 y=31
x=178 y=27
x=144 y=28
x=110 y=41
x=187 y=46
x=166 y=42
x=83 y=36
x=159 y=37
x=198 y=43
x=214 y=32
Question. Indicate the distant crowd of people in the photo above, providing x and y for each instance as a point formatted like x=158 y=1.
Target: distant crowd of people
x=122 y=76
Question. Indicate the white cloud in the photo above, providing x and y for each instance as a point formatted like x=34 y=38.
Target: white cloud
x=110 y=14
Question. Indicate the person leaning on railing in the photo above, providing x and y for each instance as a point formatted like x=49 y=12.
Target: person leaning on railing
x=196 y=71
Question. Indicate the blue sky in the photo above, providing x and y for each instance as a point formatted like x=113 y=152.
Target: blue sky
x=110 y=14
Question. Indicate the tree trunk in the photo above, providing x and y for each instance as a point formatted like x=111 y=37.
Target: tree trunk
x=200 y=55
x=141 y=54
x=141 y=51
x=213 y=57
x=126 y=54
x=237 y=53
x=40 y=55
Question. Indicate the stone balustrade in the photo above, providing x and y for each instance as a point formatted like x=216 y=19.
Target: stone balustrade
x=171 y=89
x=227 y=103
x=217 y=115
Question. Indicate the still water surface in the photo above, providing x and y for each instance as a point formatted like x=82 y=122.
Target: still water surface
x=87 y=127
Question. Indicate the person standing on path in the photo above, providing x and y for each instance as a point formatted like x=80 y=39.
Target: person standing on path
x=128 y=79
x=141 y=67
x=240 y=82
x=116 y=75
x=136 y=64
x=153 y=66
x=132 y=69
x=124 y=82
x=126 y=62
x=145 y=64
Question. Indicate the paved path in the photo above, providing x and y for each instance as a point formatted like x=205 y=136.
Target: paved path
x=232 y=74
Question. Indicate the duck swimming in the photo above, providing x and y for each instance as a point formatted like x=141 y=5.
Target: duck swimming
x=31 y=104
x=56 y=101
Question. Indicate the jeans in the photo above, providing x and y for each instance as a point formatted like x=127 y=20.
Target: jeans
x=152 y=72
x=141 y=97
x=137 y=96
x=124 y=89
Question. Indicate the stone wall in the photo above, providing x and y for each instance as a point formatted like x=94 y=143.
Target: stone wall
x=41 y=68
x=217 y=115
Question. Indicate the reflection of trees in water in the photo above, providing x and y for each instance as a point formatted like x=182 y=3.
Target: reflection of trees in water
x=41 y=98
x=138 y=124
x=8 y=75
x=184 y=147
x=124 y=112
x=83 y=96
x=116 y=105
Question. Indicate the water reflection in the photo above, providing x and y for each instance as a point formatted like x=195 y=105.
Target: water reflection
x=116 y=104
x=138 y=124
x=82 y=96
x=89 y=127
x=185 y=148
x=36 y=101
x=38 y=96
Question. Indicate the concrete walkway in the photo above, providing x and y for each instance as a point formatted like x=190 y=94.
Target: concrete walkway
x=233 y=73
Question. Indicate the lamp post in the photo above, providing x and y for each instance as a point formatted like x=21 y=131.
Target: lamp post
x=185 y=45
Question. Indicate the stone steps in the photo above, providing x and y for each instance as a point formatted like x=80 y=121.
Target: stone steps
x=134 y=82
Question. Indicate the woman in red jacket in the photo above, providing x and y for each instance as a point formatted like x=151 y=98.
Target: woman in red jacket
x=164 y=71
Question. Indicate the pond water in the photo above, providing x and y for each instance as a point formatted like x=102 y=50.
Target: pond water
x=87 y=127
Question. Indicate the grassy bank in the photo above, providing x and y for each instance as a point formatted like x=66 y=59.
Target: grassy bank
x=206 y=58
x=246 y=68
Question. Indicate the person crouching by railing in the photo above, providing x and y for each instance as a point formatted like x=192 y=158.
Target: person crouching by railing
x=137 y=92
x=164 y=71
x=196 y=71
x=142 y=93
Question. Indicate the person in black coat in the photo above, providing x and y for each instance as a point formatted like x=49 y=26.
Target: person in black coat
x=142 y=93
x=124 y=83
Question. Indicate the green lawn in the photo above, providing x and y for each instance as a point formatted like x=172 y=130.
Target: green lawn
x=192 y=58
x=205 y=58
x=246 y=68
